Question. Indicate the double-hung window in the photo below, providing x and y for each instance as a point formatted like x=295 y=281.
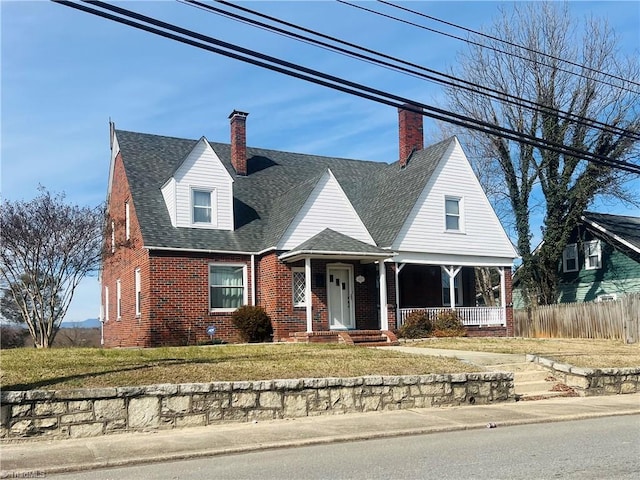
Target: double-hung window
x=203 y=206
x=127 y=221
x=453 y=214
x=118 y=299
x=138 y=292
x=227 y=286
x=570 y=258
x=106 y=303
x=592 y=255
x=299 y=285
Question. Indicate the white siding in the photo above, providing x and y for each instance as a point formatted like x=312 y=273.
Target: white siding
x=202 y=170
x=326 y=207
x=169 y=195
x=481 y=234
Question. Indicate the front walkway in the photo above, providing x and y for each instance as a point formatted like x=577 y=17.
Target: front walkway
x=481 y=359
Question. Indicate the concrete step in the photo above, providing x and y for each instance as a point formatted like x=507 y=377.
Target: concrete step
x=530 y=376
x=541 y=395
x=533 y=386
x=516 y=367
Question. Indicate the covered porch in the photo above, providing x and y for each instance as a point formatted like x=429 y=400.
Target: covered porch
x=434 y=289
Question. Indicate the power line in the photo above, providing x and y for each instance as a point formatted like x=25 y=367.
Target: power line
x=319 y=78
x=454 y=82
x=490 y=37
x=495 y=49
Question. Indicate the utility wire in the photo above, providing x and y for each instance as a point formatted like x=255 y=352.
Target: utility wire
x=454 y=82
x=398 y=19
x=297 y=71
x=496 y=39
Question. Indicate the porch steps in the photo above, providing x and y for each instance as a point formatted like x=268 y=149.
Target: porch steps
x=534 y=382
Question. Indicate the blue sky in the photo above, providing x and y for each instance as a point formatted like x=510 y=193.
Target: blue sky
x=65 y=73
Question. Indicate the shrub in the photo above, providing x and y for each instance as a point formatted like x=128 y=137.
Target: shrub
x=448 y=324
x=416 y=325
x=12 y=336
x=253 y=323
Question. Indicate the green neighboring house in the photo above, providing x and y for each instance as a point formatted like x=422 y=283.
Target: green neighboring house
x=601 y=261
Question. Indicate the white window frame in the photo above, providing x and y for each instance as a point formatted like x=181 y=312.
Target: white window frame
x=588 y=255
x=213 y=202
x=127 y=221
x=245 y=286
x=106 y=303
x=113 y=236
x=571 y=247
x=295 y=273
x=459 y=215
x=138 y=290
x=118 y=299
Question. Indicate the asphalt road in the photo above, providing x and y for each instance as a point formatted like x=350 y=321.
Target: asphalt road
x=602 y=448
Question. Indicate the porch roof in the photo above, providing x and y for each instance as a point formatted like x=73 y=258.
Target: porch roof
x=329 y=243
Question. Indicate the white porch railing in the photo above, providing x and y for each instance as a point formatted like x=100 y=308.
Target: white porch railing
x=471 y=316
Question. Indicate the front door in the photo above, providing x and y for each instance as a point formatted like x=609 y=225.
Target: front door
x=340 y=296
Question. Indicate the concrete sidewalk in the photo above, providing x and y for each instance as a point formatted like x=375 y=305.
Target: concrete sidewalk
x=45 y=457
x=481 y=359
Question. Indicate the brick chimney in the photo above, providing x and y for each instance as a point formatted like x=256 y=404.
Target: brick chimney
x=411 y=137
x=239 y=141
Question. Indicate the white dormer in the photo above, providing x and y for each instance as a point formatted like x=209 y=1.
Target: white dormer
x=200 y=192
x=327 y=207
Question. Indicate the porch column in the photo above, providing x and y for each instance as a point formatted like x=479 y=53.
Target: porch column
x=382 y=278
x=398 y=269
x=452 y=272
x=503 y=295
x=307 y=293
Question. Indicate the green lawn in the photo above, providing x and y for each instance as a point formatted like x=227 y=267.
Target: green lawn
x=66 y=368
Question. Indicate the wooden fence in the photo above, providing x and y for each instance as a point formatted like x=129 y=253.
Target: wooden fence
x=618 y=319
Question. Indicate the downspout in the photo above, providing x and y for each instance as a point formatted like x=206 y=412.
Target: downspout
x=253 y=279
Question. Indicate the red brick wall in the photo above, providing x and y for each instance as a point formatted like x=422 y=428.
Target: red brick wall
x=509 y=301
x=179 y=308
x=121 y=264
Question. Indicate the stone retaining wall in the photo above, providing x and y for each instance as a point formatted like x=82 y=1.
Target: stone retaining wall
x=94 y=412
x=588 y=382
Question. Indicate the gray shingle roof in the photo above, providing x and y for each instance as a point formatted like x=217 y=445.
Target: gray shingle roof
x=624 y=227
x=331 y=241
x=268 y=198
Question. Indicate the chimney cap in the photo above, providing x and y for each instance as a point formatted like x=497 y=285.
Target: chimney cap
x=238 y=113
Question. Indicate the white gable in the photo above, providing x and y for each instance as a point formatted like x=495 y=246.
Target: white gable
x=201 y=171
x=480 y=233
x=326 y=207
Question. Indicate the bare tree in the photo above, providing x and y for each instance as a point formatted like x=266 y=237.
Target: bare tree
x=566 y=185
x=47 y=247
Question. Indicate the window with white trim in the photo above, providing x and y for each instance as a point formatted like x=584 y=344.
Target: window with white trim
x=127 y=221
x=453 y=214
x=570 y=258
x=138 y=291
x=592 y=255
x=118 y=299
x=203 y=206
x=106 y=303
x=227 y=286
x=113 y=237
x=446 y=290
x=299 y=286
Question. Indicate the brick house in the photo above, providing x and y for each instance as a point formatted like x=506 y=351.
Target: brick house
x=327 y=246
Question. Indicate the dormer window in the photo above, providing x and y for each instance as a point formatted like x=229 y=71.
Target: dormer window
x=453 y=214
x=203 y=202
